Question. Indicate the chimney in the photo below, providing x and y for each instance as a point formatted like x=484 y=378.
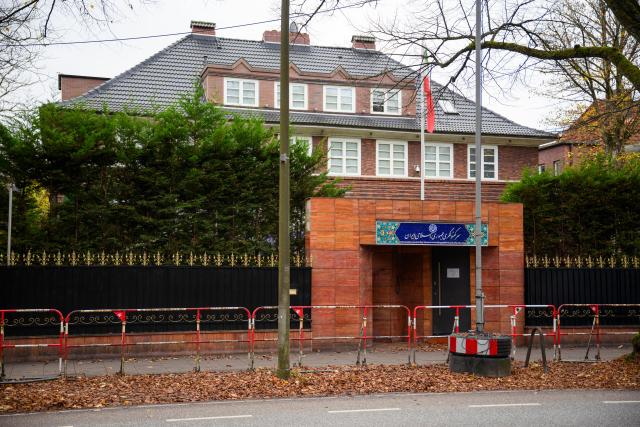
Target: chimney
x=273 y=36
x=363 y=42
x=205 y=28
x=71 y=85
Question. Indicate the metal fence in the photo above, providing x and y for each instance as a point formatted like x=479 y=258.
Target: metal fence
x=573 y=285
x=70 y=288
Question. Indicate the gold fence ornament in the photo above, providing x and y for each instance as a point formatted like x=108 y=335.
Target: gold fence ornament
x=117 y=258
x=145 y=259
x=218 y=260
x=73 y=259
x=58 y=259
x=131 y=259
x=102 y=259
x=204 y=259
x=27 y=258
x=157 y=258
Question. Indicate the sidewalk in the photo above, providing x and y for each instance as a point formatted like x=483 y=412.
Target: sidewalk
x=387 y=354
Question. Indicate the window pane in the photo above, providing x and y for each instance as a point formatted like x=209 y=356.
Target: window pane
x=445 y=171
x=346 y=99
x=384 y=170
x=489 y=155
x=392 y=103
x=398 y=149
x=331 y=98
x=233 y=84
x=378 y=101
x=445 y=154
x=430 y=169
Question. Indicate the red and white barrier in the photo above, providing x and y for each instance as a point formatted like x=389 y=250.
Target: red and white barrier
x=473 y=346
x=147 y=315
x=365 y=313
x=56 y=318
x=596 y=311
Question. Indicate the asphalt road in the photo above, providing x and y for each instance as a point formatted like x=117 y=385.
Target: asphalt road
x=566 y=408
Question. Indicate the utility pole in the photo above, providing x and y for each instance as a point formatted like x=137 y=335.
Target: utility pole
x=284 y=276
x=478 y=149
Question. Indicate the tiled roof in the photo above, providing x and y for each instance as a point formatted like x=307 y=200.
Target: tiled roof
x=164 y=77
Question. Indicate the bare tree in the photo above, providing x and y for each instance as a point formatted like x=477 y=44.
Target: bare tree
x=609 y=102
x=591 y=53
x=27 y=25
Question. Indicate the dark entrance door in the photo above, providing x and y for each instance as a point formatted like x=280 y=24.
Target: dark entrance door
x=450 y=286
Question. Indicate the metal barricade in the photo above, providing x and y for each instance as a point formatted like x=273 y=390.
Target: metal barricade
x=455 y=326
x=197 y=316
x=301 y=314
x=596 y=313
x=39 y=317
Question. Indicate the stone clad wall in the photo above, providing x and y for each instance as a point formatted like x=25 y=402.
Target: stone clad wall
x=341 y=242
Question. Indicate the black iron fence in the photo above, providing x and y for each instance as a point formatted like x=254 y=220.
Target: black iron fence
x=574 y=285
x=69 y=288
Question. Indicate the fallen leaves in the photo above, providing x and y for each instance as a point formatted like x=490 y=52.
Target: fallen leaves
x=98 y=392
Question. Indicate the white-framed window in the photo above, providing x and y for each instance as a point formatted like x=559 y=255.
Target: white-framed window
x=391 y=158
x=339 y=98
x=541 y=168
x=438 y=160
x=297 y=96
x=344 y=156
x=241 y=92
x=489 y=161
x=386 y=101
x=303 y=140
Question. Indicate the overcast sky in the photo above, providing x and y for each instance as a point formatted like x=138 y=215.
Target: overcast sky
x=173 y=16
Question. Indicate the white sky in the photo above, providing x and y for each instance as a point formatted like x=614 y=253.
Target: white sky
x=172 y=16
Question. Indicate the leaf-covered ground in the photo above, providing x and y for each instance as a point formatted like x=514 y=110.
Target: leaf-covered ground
x=96 y=392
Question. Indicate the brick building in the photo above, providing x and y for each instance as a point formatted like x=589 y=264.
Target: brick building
x=358 y=105
x=584 y=136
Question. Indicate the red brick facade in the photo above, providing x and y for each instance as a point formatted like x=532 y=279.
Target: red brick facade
x=348 y=267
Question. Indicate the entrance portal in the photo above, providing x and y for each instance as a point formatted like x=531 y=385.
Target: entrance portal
x=450 y=286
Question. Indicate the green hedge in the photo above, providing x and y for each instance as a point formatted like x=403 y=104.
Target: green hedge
x=590 y=209
x=184 y=179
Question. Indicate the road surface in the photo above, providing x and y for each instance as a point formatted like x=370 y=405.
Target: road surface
x=567 y=408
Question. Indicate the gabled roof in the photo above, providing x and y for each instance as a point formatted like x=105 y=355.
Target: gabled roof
x=164 y=77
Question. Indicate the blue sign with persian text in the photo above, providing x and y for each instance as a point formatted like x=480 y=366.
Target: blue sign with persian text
x=428 y=233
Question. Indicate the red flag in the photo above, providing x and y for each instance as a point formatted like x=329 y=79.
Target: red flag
x=431 y=112
x=121 y=315
x=299 y=311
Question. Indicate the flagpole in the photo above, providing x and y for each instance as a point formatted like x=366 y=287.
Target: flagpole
x=423 y=117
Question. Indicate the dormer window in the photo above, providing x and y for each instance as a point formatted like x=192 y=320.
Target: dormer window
x=241 y=92
x=385 y=101
x=297 y=96
x=448 y=107
x=339 y=99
